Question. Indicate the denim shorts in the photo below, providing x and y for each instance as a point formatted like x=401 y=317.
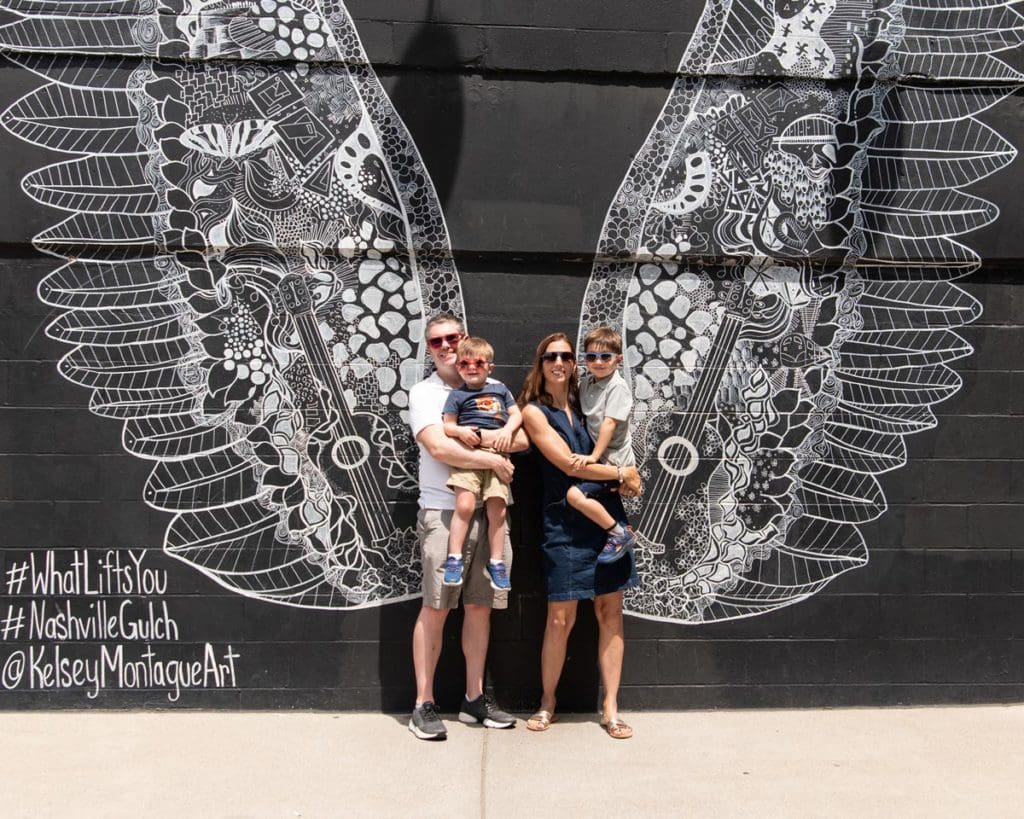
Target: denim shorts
x=591 y=489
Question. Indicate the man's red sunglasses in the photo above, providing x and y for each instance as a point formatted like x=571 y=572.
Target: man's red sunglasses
x=451 y=339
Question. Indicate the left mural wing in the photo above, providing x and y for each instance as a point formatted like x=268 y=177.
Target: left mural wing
x=250 y=249
x=789 y=238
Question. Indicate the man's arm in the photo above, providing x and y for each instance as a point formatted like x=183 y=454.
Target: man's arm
x=503 y=439
x=520 y=443
x=511 y=438
x=468 y=435
x=454 y=453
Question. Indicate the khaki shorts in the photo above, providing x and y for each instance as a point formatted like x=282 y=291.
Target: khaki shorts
x=432 y=527
x=483 y=483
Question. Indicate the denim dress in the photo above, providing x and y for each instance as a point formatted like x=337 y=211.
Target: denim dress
x=571 y=541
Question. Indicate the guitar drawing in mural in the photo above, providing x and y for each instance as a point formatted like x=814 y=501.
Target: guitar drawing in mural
x=252 y=246
x=253 y=243
x=781 y=259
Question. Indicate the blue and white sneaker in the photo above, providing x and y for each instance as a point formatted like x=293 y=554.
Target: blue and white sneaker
x=617 y=546
x=452 y=571
x=499 y=576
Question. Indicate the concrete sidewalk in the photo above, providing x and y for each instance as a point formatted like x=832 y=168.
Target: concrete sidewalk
x=925 y=762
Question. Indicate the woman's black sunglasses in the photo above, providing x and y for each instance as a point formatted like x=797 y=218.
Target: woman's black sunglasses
x=559 y=356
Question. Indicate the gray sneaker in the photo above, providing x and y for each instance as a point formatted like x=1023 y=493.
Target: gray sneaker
x=484 y=709
x=425 y=722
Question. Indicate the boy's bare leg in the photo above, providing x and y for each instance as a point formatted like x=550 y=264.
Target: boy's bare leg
x=593 y=509
x=496 y=509
x=465 y=506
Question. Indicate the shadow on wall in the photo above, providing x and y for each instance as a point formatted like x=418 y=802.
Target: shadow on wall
x=431 y=106
x=430 y=102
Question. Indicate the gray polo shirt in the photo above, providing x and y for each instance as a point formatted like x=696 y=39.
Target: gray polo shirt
x=609 y=398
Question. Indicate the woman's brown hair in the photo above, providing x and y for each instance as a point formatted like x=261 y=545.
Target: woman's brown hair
x=533 y=386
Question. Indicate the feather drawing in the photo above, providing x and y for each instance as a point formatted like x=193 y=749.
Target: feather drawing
x=249 y=246
x=782 y=260
x=251 y=243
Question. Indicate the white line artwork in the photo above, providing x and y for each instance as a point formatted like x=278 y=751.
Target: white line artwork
x=252 y=246
x=253 y=242
x=781 y=259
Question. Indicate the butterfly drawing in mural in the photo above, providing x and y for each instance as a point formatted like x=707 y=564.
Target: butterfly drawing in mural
x=785 y=249
x=253 y=244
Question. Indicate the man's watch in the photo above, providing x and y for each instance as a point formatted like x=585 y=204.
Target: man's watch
x=619 y=469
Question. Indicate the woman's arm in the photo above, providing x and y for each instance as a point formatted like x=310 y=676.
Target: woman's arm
x=557 y=451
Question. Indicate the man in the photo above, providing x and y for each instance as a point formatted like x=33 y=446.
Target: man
x=438 y=452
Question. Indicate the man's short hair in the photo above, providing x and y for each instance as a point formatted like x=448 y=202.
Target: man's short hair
x=605 y=339
x=443 y=317
x=474 y=345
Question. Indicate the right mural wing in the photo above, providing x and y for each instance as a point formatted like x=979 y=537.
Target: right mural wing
x=781 y=260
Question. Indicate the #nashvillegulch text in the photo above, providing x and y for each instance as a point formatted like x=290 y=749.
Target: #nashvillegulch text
x=57 y=621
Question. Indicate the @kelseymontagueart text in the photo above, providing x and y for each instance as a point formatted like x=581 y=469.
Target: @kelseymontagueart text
x=92 y=620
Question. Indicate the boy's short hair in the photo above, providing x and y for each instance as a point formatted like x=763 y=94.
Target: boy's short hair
x=474 y=345
x=605 y=338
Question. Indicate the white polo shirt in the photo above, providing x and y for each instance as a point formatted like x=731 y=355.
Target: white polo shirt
x=426 y=405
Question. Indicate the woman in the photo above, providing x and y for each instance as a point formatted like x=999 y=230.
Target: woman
x=551 y=417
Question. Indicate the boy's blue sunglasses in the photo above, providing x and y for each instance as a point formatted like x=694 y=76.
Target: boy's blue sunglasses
x=590 y=358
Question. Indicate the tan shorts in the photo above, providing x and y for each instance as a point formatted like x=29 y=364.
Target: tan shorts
x=432 y=528
x=481 y=482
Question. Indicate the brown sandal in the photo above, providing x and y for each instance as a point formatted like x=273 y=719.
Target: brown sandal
x=616 y=728
x=540 y=721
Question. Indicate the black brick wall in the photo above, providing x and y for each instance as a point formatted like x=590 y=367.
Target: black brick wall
x=527 y=115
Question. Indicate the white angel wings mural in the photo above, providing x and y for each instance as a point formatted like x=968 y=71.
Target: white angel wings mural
x=251 y=249
x=789 y=240
x=253 y=242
